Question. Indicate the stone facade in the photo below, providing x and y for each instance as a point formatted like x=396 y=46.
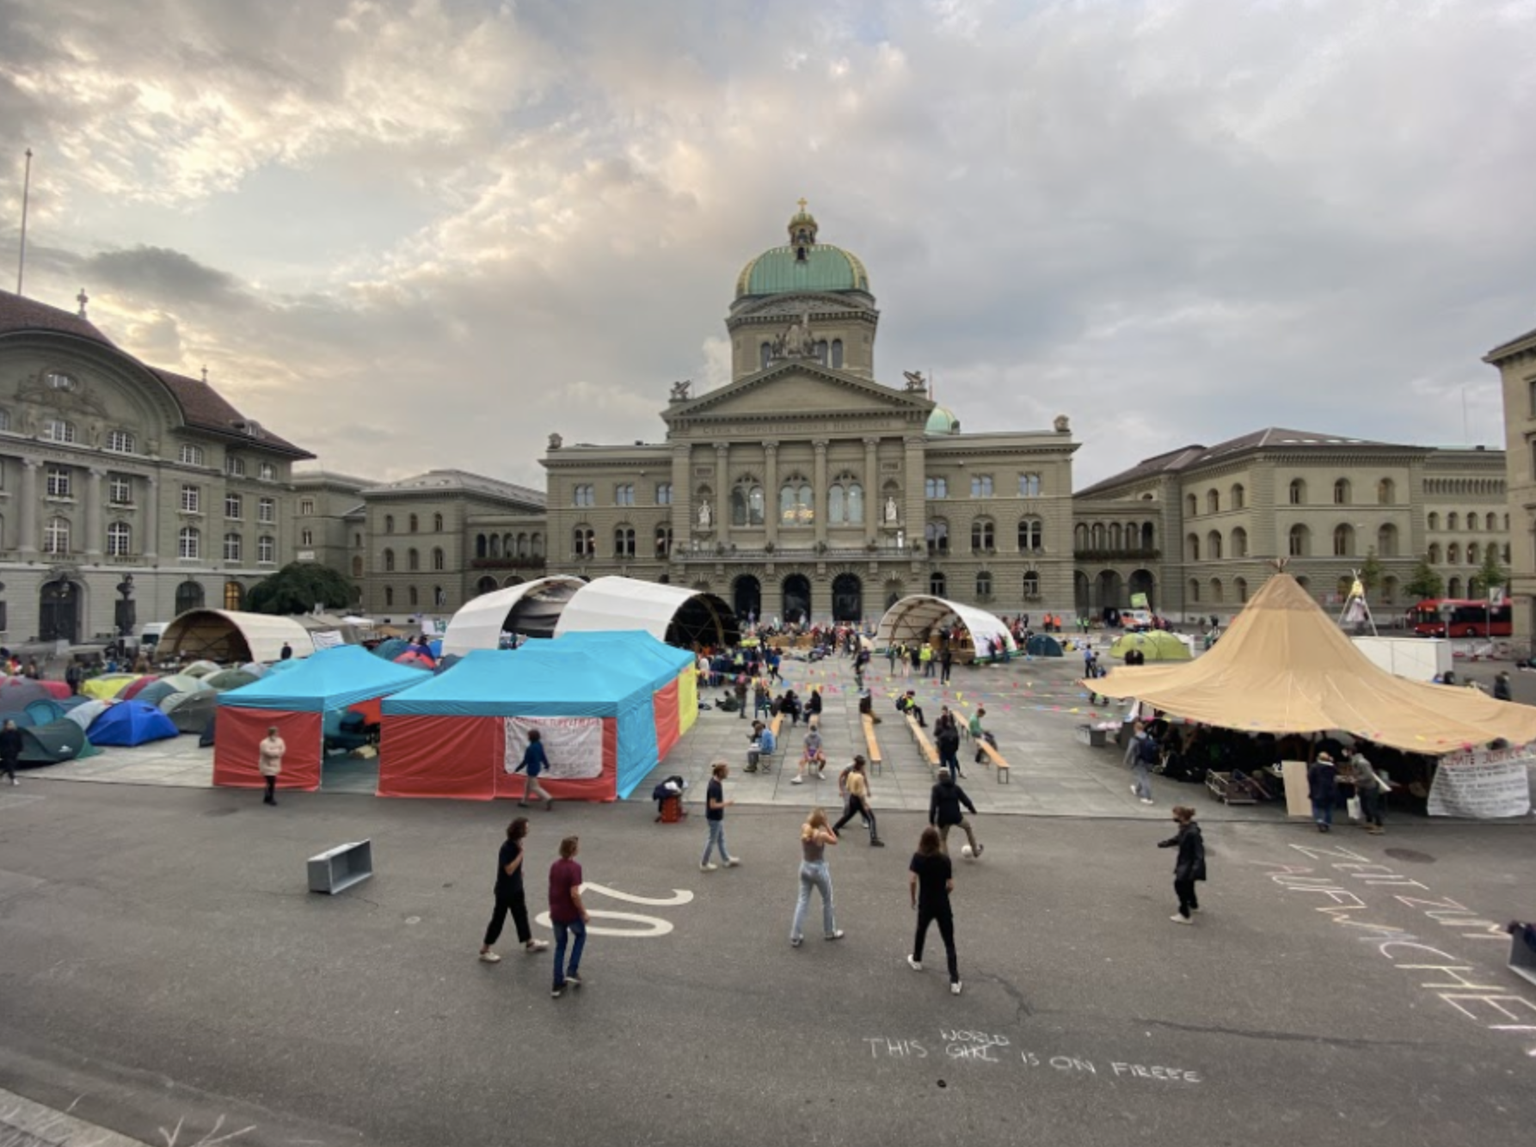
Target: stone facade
x=1516 y=364
x=1198 y=528
x=110 y=467
x=323 y=528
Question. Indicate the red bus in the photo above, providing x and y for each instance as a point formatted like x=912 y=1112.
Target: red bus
x=1467 y=617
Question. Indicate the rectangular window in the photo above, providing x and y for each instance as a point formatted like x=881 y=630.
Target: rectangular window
x=267 y=472
x=120 y=490
x=936 y=488
x=266 y=511
x=307 y=508
x=57 y=430
x=307 y=538
x=981 y=485
x=191 y=501
x=189 y=455
x=5 y=419
x=1029 y=485
x=234 y=506
x=120 y=442
x=664 y=493
x=58 y=483
x=119 y=538
x=234 y=465
x=266 y=549
x=232 y=547
x=584 y=496
x=189 y=543
x=624 y=495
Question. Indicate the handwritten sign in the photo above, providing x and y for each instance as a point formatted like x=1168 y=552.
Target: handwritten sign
x=997 y=1051
x=1483 y=784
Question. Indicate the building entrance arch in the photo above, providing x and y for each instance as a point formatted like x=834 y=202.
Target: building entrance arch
x=59 y=611
x=847 y=598
x=747 y=598
x=1142 y=581
x=797 y=599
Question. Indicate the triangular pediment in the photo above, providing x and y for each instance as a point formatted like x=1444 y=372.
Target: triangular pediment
x=799 y=389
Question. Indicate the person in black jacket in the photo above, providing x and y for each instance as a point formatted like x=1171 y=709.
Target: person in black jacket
x=944 y=811
x=10 y=749
x=1189 y=866
x=1323 y=790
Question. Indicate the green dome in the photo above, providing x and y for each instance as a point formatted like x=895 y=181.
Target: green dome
x=943 y=421
x=802 y=265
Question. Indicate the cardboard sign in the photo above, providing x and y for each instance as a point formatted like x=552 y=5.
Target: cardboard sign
x=1297 y=800
x=574 y=745
x=1483 y=784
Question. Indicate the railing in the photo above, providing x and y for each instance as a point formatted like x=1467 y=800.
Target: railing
x=1137 y=554
x=797 y=554
x=506 y=563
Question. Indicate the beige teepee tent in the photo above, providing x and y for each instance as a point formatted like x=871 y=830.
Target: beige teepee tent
x=1285 y=667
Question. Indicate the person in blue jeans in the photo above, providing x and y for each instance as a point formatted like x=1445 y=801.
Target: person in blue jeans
x=715 y=805
x=815 y=835
x=567 y=915
x=534 y=762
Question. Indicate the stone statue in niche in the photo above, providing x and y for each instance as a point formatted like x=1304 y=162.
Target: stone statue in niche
x=705 y=515
x=890 y=509
x=555 y=442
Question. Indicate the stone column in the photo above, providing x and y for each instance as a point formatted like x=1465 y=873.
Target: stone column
x=915 y=515
x=771 y=491
x=26 y=541
x=722 y=492
x=682 y=499
x=819 y=499
x=93 y=528
x=874 y=503
x=151 y=544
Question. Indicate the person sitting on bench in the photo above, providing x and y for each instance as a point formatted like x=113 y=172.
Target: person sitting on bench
x=907 y=704
x=867 y=707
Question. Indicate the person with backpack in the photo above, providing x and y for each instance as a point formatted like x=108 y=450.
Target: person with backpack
x=1189 y=865
x=946 y=739
x=1140 y=756
x=944 y=805
x=854 y=786
x=930 y=881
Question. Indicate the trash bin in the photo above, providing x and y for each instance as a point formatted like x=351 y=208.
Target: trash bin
x=671 y=810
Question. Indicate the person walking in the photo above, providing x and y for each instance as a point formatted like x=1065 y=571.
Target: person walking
x=815 y=837
x=567 y=915
x=270 y=761
x=930 y=880
x=73 y=675
x=1140 y=756
x=915 y=656
x=925 y=656
x=509 y=895
x=1372 y=789
x=741 y=693
x=944 y=812
x=1323 y=790
x=715 y=805
x=946 y=739
x=10 y=750
x=1189 y=865
x=534 y=762
x=855 y=785
x=893 y=655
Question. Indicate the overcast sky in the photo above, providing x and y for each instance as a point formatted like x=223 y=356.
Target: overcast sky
x=417 y=234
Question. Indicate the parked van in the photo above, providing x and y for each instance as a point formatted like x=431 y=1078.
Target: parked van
x=151 y=635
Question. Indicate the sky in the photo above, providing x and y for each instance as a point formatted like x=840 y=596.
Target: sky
x=417 y=233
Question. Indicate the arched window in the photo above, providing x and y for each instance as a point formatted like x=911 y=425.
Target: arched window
x=1341 y=492
x=1213 y=545
x=983 y=585
x=1240 y=587
x=1453 y=554
x=1080 y=536
x=1216 y=591
x=796 y=507
x=1114 y=537
x=536 y=545
x=764 y=356
x=747 y=502
x=389 y=561
x=1386 y=491
x=937 y=584
x=357 y=567
x=1029 y=485
x=1031 y=585
x=437 y=523
x=1191 y=506
x=1300 y=541
x=1472 y=522
x=1194 y=592
x=522 y=545
x=1453 y=588
x=481 y=549
x=1239 y=497
x=1453 y=521
x=663 y=541
x=1239 y=543
x=389 y=523
x=413 y=596
x=837 y=354
x=1473 y=554
x=56 y=536
x=983 y=535
x=1031 y=534
x=1298 y=493
x=624 y=542
x=414 y=524
x=1148 y=536
x=119 y=540
x=189 y=595
x=412 y=560
x=936 y=534
x=1434 y=520
x=1343 y=541
x=1386 y=541
x=189 y=542
x=1192 y=548
x=437 y=558
x=1491 y=523
x=1434 y=553
x=836 y=509
x=582 y=539
x=234 y=595
x=1212 y=502
x=845 y=501
x=1096 y=536
x=495 y=545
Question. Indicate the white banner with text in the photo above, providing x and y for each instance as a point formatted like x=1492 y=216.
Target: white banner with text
x=1483 y=783
x=574 y=745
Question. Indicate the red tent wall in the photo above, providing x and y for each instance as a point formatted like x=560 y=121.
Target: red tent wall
x=600 y=788
x=238 y=732
x=664 y=704
x=435 y=756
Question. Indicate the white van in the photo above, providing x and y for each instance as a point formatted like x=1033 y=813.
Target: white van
x=152 y=634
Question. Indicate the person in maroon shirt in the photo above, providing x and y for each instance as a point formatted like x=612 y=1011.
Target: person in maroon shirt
x=567 y=914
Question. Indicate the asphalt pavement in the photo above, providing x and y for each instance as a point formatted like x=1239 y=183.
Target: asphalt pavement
x=165 y=974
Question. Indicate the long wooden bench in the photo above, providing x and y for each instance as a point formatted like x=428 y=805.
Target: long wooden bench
x=925 y=747
x=871 y=745
x=996 y=758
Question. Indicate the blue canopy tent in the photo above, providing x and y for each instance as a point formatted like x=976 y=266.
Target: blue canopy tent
x=453 y=736
x=131 y=723
x=296 y=700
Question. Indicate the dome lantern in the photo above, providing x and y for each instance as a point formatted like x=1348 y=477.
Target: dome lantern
x=802 y=231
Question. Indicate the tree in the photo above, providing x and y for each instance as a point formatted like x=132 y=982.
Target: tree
x=1491 y=574
x=297 y=588
x=1425 y=582
x=1371 y=572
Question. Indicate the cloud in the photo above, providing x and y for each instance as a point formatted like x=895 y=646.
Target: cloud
x=1172 y=220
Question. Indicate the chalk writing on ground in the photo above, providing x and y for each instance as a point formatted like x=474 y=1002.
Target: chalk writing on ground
x=647 y=927
x=998 y=1051
x=1485 y=998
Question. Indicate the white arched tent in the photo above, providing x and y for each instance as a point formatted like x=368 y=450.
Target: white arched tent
x=531 y=608
x=914 y=618
x=226 y=635
x=670 y=613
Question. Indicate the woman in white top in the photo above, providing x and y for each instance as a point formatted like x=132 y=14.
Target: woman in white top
x=270 y=762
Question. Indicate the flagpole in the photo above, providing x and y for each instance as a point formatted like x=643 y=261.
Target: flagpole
x=26 y=191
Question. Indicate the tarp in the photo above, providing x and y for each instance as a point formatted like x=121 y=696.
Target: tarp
x=665 y=666
x=481 y=620
x=1284 y=666
x=239 y=731
x=331 y=679
x=191 y=712
x=1042 y=645
x=108 y=685
x=226 y=680
x=914 y=618
x=232 y=637
x=670 y=613
x=1153 y=644
x=50 y=744
x=131 y=723
x=86 y=712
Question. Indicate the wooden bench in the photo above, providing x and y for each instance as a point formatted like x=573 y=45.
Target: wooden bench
x=871 y=745
x=925 y=747
x=775 y=725
x=995 y=758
